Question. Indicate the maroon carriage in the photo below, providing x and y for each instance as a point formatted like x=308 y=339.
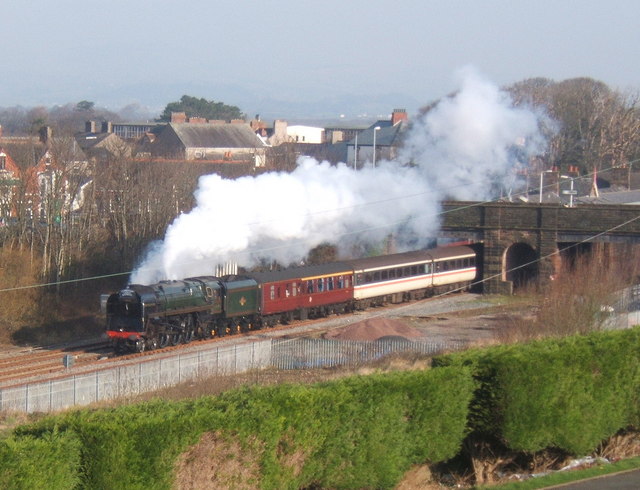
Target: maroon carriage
x=304 y=292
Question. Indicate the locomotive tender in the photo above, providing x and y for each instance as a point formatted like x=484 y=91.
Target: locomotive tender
x=141 y=317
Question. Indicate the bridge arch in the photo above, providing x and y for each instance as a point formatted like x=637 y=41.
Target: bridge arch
x=520 y=264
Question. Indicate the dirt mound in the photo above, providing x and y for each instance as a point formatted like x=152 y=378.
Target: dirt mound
x=374 y=329
x=217 y=462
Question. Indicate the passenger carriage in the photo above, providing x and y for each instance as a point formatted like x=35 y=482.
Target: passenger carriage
x=304 y=292
x=412 y=275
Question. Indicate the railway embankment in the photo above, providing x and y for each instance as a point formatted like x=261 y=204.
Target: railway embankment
x=493 y=408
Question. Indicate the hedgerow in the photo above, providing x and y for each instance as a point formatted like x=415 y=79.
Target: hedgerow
x=569 y=394
x=356 y=432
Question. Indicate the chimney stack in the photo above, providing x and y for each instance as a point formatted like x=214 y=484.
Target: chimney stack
x=90 y=127
x=398 y=115
x=178 y=117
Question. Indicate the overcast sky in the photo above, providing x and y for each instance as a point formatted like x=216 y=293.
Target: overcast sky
x=154 y=51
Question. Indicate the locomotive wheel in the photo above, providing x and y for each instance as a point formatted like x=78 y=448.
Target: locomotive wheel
x=189 y=327
x=174 y=339
x=141 y=345
x=152 y=344
x=163 y=340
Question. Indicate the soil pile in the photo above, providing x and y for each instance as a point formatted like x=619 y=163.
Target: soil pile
x=374 y=329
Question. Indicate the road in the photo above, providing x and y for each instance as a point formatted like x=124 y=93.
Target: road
x=625 y=480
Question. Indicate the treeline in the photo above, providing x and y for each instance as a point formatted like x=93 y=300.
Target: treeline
x=82 y=219
x=487 y=409
x=590 y=126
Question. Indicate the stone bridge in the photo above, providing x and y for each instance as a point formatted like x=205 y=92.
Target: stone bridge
x=523 y=240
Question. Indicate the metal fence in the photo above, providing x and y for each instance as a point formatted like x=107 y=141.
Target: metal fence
x=307 y=353
x=132 y=379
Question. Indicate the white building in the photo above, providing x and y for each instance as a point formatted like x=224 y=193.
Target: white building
x=305 y=134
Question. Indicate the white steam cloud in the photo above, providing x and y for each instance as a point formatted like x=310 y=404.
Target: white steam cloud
x=464 y=148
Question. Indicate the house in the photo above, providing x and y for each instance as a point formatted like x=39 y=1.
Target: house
x=103 y=145
x=379 y=142
x=9 y=180
x=207 y=142
x=305 y=134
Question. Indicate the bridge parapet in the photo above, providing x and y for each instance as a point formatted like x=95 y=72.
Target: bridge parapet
x=541 y=226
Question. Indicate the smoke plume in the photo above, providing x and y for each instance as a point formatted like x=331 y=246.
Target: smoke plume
x=466 y=147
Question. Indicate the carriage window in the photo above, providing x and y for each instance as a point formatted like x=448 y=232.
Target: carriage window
x=368 y=278
x=330 y=284
x=309 y=287
x=392 y=273
x=384 y=275
x=472 y=261
x=279 y=294
x=320 y=285
x=294 y=289
x=272 y=292
x=376 y=276
x=427 y=268
x=340 y=282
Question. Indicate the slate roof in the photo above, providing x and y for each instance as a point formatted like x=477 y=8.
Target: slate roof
x=386 y=136
x=208 y=135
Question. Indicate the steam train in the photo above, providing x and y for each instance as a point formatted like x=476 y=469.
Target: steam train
x=141 y=317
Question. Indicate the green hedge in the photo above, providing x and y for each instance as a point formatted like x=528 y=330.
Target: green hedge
x=356 y=432
x=570 y=393
x=49 y=461
x=361 y=431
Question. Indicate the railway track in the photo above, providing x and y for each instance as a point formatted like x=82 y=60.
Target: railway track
x=28 y=364
x=22 y=365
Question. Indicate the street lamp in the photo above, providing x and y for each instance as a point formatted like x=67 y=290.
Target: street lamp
x=571 y=192
x=375 y=130
x=355 y=154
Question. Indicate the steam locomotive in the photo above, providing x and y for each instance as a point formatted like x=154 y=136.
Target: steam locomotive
x=141 y=317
